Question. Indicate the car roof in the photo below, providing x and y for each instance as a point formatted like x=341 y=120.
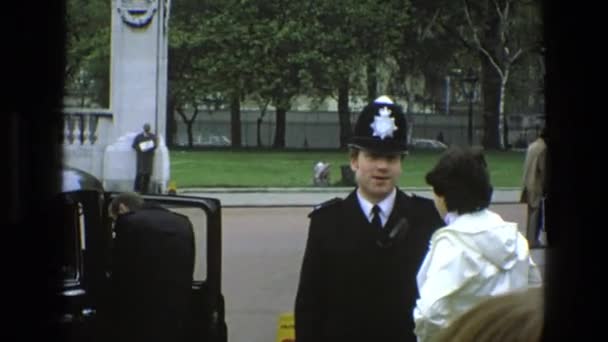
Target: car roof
x=74 y=179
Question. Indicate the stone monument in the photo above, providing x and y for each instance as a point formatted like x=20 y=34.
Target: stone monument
x=138 y=91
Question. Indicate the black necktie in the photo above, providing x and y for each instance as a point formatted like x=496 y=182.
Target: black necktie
x=376 y=222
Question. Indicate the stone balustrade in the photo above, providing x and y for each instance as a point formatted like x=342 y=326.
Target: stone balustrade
x=86 y=126
x=86 y=134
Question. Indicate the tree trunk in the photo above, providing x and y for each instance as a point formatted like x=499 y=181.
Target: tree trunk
x=502 y=114
x=171 y=129
x=258 y=131
x=259 y=124
x=279 y=132
x=189 y=124
x=372 y=81
x=410 y=102
x=491 y=81
x=344 y=113
x=235 y=119
x=491 y=103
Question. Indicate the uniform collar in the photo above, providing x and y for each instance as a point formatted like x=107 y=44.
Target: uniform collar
x=386 y=206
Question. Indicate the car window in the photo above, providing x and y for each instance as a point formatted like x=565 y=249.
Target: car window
x=199 y=224
x=73 y=225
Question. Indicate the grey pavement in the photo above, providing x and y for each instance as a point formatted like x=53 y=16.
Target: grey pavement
x=305 y=197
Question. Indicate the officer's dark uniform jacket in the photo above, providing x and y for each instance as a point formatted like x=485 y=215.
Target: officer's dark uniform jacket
x=355 y=285
x=153 y=263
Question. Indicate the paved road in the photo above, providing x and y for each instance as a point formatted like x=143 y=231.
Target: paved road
x=262 y=250
x=306 y=197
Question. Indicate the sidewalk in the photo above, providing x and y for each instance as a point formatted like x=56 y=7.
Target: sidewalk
x=307 y=197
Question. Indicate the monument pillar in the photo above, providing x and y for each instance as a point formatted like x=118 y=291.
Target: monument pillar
x=139 y=65
x=138 y=90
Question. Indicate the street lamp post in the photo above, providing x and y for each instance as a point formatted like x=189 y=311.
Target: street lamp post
x=469 y=82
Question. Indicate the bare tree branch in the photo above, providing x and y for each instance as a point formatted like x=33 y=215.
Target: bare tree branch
x=426 y=32
x=478 y=46
x=458 y=36
x=467 y=12
x=492 y=61
x=516 y=56
x=503 y=15
x=179 y=109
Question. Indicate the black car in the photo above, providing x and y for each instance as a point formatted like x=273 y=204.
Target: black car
x=80 y=275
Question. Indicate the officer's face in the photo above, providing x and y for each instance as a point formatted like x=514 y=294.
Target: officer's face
x=376 y=174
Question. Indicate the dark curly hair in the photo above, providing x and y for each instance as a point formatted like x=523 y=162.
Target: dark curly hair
x=462 y=178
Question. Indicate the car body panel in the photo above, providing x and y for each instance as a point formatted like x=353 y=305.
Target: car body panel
x=427 y=144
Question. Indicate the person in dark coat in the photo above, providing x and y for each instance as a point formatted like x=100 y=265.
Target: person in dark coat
x=358 y=275
x=144 y=144
x=152 y=271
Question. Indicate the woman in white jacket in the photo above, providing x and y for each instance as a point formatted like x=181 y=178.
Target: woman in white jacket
x=477 y=255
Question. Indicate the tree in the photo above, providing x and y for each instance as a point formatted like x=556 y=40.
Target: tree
x=421 y=50
x=87 y=68
x=206 y=49
x=278 y=55
x=351 y=41
x=492 y=28
x=183 y=76
x=334 y=67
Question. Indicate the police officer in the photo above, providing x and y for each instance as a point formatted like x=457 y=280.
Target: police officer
x=144 y=144
x=152 y=267
x=358 y=275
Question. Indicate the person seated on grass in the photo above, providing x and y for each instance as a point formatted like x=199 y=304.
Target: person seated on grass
x=321 y=174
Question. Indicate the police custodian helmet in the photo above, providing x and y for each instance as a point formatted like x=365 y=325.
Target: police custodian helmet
x=381 y=128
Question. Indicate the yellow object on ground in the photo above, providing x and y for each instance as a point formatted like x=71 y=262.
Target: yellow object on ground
x=286 y=330
x=172 y=188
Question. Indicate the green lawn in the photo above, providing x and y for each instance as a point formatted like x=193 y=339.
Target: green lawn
x=294 y=169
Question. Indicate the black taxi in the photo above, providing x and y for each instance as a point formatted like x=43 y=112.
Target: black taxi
x=80 y=274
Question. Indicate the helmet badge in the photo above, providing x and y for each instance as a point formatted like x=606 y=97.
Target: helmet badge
x=383 y=125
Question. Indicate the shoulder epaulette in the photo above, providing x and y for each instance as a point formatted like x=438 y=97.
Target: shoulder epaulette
x=422 y=201
x=421 y=198
x=327 y=204
x=417 y=196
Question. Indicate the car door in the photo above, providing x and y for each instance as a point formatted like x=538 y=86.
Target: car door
x=77 y=268
x=207 y=315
